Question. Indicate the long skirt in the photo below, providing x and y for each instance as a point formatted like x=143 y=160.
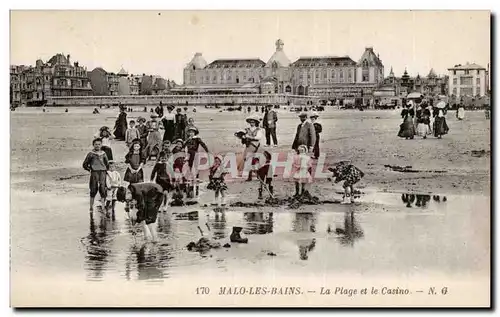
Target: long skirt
x=423 y=129
x=406 y=129
x=169 y=127
x=316 y=147
x=440 y=126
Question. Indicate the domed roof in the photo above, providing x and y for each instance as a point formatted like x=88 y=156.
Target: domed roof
x=198 y=62
x=279 y=56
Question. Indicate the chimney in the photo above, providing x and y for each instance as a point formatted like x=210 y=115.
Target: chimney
x=68 y=58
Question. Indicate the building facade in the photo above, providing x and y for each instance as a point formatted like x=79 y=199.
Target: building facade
x=68 y=79
x=326 y=77
x=469 y=80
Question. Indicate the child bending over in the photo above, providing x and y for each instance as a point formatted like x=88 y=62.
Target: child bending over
x=350 y=174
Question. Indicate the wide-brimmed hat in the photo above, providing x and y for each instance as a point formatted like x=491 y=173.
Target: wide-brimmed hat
x=303 y=114
x=141 y=119
x=195 y=129
x=253 y=117
x=178 y=109
x=154 y=115
x=314 y=114
x=170 y=107
x=104 y=128
x=178 y=140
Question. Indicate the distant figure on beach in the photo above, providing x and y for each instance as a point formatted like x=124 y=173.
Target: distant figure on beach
x=168 y=122
x=249 y=109
x=131 y=134
x=461 y=112
x=440 y=126
x=93 y=112
x=407 y=129
x=318 y=128
x=66 y=110
x=96 y=162
x=145 y=109
x=121 y=125
x=269 y=124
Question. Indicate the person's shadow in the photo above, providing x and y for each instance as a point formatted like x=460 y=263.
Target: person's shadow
x=98 y=248
x=351 y=231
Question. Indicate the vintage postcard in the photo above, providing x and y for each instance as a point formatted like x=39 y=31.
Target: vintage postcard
x=250 y=158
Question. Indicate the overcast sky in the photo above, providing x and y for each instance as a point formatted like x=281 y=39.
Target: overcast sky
x=163 y=42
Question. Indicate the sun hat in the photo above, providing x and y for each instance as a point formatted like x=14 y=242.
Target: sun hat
x=192 y=128
x=178 y=140
x=253 y=117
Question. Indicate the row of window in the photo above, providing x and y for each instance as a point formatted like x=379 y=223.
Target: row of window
x=468 y=72
x=466 y=91
x=466 y=81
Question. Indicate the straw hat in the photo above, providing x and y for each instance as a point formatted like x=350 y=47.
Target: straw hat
x=178 y=140
x=314 y=114
x=303 y=114
x=193 y=129
x=253 y=117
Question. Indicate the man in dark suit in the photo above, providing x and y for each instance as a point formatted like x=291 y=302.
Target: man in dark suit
x=306 y=134
x=269 y=124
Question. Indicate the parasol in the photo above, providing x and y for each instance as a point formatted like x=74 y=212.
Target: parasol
x=414 y=95
x=441 y=105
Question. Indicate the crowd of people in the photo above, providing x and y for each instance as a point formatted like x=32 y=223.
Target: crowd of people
x=421 y=118
x=174 y=141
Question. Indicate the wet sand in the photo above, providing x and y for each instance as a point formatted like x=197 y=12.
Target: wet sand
x=52 y=234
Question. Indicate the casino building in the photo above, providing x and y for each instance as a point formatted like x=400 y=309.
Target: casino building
x=330 y=78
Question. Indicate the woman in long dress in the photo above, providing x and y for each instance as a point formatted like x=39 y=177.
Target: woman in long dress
x=318 y=128
x=121 y=125
x=423 y=121
x=440 y=126
x=168 y=122
x=461 y=112
x=407 y=129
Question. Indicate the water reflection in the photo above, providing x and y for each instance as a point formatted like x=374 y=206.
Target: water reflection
x=351 y=231
x=419 y=200
x=98 y=247
x=218 y=225
x=304 y=222
x=306 y=246
x=258 y=222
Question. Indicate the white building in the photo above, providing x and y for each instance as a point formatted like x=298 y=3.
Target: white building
x=468 y=80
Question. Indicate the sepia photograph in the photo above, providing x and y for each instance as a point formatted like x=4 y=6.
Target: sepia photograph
x=250 y=158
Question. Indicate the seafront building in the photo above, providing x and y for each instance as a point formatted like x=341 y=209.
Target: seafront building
x=329 y=78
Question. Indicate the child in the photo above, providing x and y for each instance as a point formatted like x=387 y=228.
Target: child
x=350 y=174
x=179 y=156
x=265 y=176
x=192 y=144
x=131 y=134
x=154 y=139
x=160 y=175
x=96 y=162
x=105 y=135
x=301 y=170
x=143 y=132
x=165 y=147
x=135 y=159
x=217 y=183
x=113 y=181
x=148 y=198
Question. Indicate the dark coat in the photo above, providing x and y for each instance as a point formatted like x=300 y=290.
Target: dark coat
x=305 y=135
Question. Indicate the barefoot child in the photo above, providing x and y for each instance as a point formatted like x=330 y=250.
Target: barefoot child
x=179 y=158
x=161 y=177
x=265 y=175
x=96 y=162
x=350 y=174
x=113 y=182
x=148 y=198
x=217 y=183
x=301 y=170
